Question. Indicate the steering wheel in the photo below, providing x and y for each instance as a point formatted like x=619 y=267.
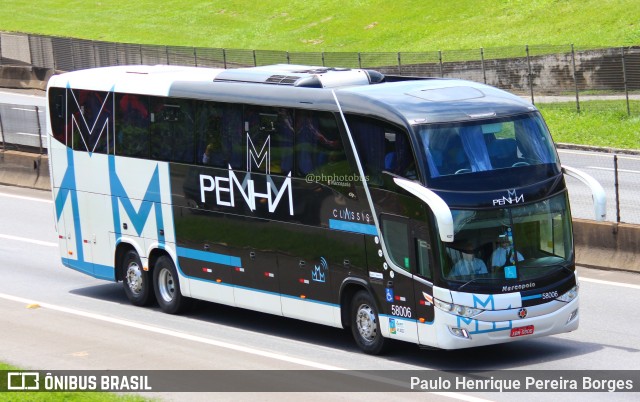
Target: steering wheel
x=461 y=171
x=520 y=164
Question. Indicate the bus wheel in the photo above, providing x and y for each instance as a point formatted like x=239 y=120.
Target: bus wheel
x=167 y=287
x=136 y=281
x=365 y=324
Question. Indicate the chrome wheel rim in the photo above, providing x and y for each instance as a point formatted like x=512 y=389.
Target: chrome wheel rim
x=166 y=285
x=134 y=277
x=366 y=323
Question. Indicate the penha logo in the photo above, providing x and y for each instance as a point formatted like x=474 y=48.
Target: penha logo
x=511 y=198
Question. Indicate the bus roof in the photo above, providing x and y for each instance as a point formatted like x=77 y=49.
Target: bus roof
x=367 y=92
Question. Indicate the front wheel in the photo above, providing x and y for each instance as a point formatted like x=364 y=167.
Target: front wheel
x=136 y=281
x=365 y=324
x=167 y=287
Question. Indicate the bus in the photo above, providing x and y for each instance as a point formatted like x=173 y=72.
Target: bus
x=431 y=211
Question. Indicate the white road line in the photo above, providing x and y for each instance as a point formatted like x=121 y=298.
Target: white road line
x=623 y=285
x=215 y=343
x=21 y=197
x=26 y=240
x=620 y=156
x=612 y=169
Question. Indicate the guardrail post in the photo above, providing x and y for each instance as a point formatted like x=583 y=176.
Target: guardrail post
x=323 y=59
x=616 y=186
x=440 y=62
x=4 y=144
x=624 y=79
x=224 y=58
x=359 y=60
x=288 y=58
x=575 y=77
x=39 y=127
x=484 y=72
x=530 y=74
x=195 y=57
x=399 y=64
x=255 y=61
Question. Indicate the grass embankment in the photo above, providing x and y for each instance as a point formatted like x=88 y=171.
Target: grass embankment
x=599 y=123
x=333 y=25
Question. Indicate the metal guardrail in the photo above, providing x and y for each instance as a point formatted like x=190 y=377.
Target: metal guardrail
x=536 y=72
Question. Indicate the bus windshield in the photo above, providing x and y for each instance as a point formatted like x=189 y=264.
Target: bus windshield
x=460 y=148
x=510 y=244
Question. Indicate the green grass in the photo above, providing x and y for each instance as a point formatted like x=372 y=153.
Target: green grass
x=599 y=123
x=19 y=396
x=332 y=25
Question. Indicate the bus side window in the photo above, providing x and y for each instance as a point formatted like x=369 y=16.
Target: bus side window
x=382 y=147
x=58 y=111
x=132 y=125
x=396 y=238
x=269 y=139
x=172 y=130
x=90 y=120
x=319 y=148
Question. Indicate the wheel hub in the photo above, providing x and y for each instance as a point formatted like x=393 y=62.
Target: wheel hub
x=366 y=322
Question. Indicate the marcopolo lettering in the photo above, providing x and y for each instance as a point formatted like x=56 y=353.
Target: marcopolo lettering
x=519 y=287
x=225 y=188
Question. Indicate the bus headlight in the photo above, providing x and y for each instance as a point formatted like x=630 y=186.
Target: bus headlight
x=569 y=295
x=456 y=309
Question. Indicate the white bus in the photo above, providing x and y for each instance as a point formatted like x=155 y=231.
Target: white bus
x=432 y=211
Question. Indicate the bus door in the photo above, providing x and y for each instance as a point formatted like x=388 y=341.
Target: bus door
x=399 y=306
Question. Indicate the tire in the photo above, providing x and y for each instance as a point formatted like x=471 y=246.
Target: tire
x=135 y=280
x=365 y=324
x=167 y=287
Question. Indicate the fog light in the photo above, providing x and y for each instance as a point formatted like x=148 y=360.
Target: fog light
x=572 y=316
x=459 y=332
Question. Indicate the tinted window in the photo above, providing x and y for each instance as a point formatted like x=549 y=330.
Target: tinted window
x=132 y=125
x=382 y=147
x=172 y=130
x=319 y=148
x=57 y=112
x=90 y=115
x=269 y=139
x=220 y=132
x=396 y=239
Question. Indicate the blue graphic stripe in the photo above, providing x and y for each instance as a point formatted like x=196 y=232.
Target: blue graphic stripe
x=209 y=257
x=354 y=227
x=532 y=297
x=95 y=270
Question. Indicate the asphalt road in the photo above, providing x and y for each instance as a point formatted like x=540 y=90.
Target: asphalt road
x=53 y=318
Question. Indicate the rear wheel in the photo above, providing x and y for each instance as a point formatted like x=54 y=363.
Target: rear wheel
x=365 y=324
x=167 y=287
x=136 y=281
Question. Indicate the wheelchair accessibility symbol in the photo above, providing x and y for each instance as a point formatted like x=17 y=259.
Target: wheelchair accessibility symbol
x=389 y=294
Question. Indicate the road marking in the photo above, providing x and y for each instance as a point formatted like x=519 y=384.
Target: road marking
x=612 y=169
x=25 y=109
x=22 y=197
x=26 y=240
x=600 y=281
x=602 y=154
x=221 y=344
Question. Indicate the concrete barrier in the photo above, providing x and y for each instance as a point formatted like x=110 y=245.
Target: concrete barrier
x=24 y=77
x=25 y=170
x=603 y=245
x=607 y=245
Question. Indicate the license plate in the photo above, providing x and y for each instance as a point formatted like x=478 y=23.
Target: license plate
x=521 y=331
